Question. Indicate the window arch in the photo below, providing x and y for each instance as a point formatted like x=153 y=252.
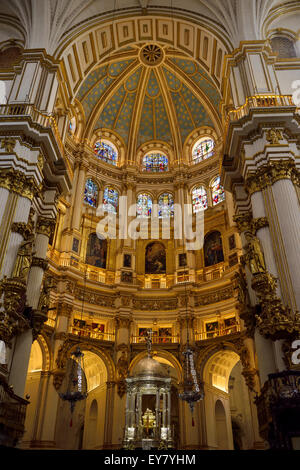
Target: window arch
x=203 y=149
x=106 y=151
x=155 y=162
x=91 y=193
x=144 y=205
x=217 y=191
x=284 y=46
x=199 y=199
x=110 y=199
x=165 y=206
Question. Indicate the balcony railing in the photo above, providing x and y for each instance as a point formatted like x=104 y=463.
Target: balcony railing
x=12 y=414
x=259 y=101
x=230 y=330
x=156 y=339
x=87 y=333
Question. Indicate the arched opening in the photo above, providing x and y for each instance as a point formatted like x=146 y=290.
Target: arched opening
x=221 y=426
x=227 y=403
x=33 y=390
x=84 y=429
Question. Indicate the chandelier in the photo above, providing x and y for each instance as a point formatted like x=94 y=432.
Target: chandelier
x=192 y=389
x=76 y=385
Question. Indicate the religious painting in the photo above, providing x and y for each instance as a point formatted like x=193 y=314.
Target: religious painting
x=127 y=277
x=230 y=325
x=165 y=335
x=98 y=327
x=75 y=245
x=212 y=329
x=79 y=323
x=127 y=261
x=155 y=258
x=231 y=241
x=96 y=251
x=213 y=251
x=142 y=334
x=182 y=259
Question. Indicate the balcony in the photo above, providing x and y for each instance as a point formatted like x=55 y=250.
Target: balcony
x=12 y=415
x=87 y=333
x=204 y=335
x=156 y=339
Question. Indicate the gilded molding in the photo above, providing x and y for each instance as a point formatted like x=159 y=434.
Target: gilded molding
x=39 y=262
x=214 y=296
x=246 y=223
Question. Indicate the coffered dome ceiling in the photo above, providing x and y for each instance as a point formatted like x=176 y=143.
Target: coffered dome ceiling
x=149 y=93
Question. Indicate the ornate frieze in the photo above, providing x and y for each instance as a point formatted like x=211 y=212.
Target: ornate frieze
x=155 y=304
x=8 y=144
x=214 y=296
x=16 y=181
x=93 y=297
x=12 y=320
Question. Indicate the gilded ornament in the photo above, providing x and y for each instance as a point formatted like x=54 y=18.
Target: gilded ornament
x=274 y=136
x=23 y=260
x=45 y=226
x=8 y=144
x=254 y=256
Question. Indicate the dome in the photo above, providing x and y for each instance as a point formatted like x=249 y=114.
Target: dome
x=148 y=366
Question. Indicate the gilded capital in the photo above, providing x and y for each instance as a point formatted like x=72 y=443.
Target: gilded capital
x=270 y=173
x=45 y=226
x=16 y=181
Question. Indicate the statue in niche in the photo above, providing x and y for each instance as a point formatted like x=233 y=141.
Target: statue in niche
x=23 y=261
x=254 y=254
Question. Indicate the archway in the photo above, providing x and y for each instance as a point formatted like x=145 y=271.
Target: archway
x=85 y=428
x=221 y=426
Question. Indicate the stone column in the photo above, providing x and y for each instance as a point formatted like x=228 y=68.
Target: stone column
x=288 y=211
x=164 y=409
x=109 y=412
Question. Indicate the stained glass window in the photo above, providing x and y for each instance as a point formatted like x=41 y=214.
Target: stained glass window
x=106 y=152
x=155 y=162
x=217 y=191
x=165 y=206
x=199 y=199
x=91 y=193
x=72 y=126
x=144 y=205
x=203 y=149
x=110 y=199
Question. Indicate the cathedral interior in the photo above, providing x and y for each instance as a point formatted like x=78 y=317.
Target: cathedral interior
x=128 y=130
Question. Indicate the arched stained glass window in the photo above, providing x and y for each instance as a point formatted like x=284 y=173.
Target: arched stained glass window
x=110 y=200
x=199 y=199
x=91 y=193
x=144 y=205
x=106 y=152
x=203 y=149
x=217 y=191
x=155 y=162
x=165 y=206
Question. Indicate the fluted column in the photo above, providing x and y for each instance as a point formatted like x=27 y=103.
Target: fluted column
x=288 y=211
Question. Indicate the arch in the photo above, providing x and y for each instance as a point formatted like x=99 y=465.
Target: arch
x=164 y=357
x=203 y=149
x=221 y=426
x=213 y=248
x=106 y=151
x=283 y=45
x=155 y=258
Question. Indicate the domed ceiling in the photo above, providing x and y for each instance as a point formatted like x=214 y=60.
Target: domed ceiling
x=149 y=93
